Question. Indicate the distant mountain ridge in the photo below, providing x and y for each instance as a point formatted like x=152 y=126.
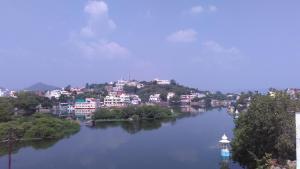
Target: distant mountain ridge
x=41 y=87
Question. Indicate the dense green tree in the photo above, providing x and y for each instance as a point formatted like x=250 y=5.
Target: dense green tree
x=64 y=98
x=130 y=89
x=268 y=127
x=163 y=97
x=151 y=88
x=135 y=112
x=38 y=126
x=6 y=109
x=27 y=101
x=174 y=101
x=173 y=82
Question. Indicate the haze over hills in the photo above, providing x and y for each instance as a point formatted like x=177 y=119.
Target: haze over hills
x=41 y=87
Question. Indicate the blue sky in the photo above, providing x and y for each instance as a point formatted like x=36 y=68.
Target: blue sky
x=208 y=44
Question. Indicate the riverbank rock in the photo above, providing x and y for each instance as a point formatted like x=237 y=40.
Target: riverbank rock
x=289 y=165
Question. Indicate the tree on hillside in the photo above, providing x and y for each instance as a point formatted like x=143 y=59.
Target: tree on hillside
x=6 y=109
x=268 y=127
x=163 y=97
x=130 y=89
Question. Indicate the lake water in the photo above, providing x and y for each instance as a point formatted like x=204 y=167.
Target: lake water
x=189 y=142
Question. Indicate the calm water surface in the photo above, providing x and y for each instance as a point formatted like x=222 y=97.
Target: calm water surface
x=186 y=143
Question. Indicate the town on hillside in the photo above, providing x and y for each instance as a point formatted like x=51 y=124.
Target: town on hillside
x=123 y=93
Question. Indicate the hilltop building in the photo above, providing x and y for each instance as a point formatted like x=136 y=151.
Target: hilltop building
x=162 y=82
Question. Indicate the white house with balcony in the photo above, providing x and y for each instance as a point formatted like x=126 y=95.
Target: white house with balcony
x=155 y=98
x=117 y=101
x=88 y=103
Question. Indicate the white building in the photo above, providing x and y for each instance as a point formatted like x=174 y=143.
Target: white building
x=53 y=93
x=154 y=98
x=162 y=82
x=121 y=82
x=112 y=101
x=63 y=92
x=1 y=93
x=4 y=92
x=117 y=101
x=135 y=99
x=125 y=99
x=170 y=95
x=199 y=95
x=13 y=94
x=187 y=98
x=140 y=85
x=88 y=103
x=132 y=83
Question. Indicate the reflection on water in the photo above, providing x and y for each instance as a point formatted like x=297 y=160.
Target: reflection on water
x=192 y=109
x=20 y=144
x=133 y=127
x=77 y=114
x=84 y=112
x=188 y=141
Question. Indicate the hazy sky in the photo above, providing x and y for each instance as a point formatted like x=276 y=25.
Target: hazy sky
x=212 y=44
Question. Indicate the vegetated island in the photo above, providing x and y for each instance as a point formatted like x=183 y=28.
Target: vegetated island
x=19 y=120
x=133 y=113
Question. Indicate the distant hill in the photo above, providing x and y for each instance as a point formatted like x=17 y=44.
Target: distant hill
x=40 y=87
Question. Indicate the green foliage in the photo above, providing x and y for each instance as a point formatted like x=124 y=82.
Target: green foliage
x=163 y=97
x=218 y=96
x=130 y=89
x=174 y=101
x=139 y=112
x=64 y=98
x=27 y=101
x=38 y=126
x=268 y=127
x=6 y=109
x=153 y=88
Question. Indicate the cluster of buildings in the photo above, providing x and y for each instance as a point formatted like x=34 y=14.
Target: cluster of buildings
x=293 y=93
x=58 y=92
x=7 y=93
x=116 y=97
x=187 y=99
x=121 y=100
